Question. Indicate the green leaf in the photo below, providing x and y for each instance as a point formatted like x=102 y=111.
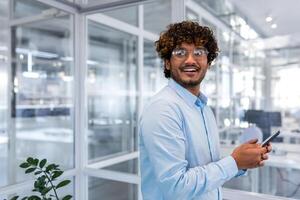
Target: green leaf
x=43 y=162
x=25 y=165
x=30 y=160
x=57 y=174
x=24 y=198
x=36 y=184
x=67 y=197
x=50 y=167
x=35 y=162
x=37 y=172
x=63 y=183
x=29 y=170
x=46 y=190
x=34 y=197
x=14 y=198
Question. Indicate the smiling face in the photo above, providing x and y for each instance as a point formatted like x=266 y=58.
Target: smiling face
x=188 y=70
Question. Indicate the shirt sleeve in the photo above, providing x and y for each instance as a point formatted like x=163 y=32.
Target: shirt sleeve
x=163 y=137
x=242 y=172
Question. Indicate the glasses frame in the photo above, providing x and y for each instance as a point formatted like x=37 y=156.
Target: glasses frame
x=203 y=54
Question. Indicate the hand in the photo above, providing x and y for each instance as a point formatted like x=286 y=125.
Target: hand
x=250 y=155
x=268 y=149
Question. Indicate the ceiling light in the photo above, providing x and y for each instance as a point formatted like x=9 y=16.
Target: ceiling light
x=269 y=19
x=274 y=26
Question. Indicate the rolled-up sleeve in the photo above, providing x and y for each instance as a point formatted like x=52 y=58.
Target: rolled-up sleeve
x=163 y=137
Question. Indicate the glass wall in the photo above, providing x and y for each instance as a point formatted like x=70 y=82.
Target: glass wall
x=157 y=15
x=36 y=103
x=32 y=8
x=112 y=91
x=4 y=48
x=102 y=189
x=154 y=78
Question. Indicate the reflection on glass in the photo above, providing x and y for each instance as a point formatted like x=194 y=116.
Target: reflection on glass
x=27 y=8
x=191 y=15
x=112 y=190
x=112 y=91
x=127 y=14
x=42 y=100
x=220 y=7
x=130 y=166
x=157 y=15
x=154 y=78
x=3 y=91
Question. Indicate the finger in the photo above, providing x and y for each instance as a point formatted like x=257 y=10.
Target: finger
x=269 y=148
x=265 y=157
x=252 y=141
x=261 y=163
x=263 y=150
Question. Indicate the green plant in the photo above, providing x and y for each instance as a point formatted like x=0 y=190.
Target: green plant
x=45 y=175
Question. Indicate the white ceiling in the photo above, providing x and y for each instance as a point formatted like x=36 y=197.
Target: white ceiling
x=285 y=13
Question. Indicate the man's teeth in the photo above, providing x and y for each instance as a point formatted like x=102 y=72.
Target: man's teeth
x=189 y=70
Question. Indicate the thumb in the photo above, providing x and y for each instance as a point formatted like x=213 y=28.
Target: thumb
x=252 y=141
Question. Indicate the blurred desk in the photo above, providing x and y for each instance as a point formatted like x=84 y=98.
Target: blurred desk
x=286 y=157
x=290 y=137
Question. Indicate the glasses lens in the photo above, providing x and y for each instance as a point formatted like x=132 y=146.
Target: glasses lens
x=200 y=52
x=179 y=52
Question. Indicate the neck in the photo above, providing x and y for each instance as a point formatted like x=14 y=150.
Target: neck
x=194 y=90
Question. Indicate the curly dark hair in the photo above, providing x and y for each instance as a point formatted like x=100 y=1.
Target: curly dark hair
x=189 y=32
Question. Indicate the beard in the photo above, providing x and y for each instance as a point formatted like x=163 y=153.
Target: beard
x=190 y=83
x=187 y=83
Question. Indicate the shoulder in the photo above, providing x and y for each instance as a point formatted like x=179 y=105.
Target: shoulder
x=163 y=106
x=165 y=101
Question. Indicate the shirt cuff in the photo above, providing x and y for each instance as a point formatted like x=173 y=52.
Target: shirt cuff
x=242 y=172
x=229 y=165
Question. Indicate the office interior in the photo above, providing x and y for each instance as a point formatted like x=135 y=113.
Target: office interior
x=75 y=75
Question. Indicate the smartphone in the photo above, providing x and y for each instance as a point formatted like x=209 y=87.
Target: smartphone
x=269 y=139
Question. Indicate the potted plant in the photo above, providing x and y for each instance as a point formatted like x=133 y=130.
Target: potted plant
x=46 y=176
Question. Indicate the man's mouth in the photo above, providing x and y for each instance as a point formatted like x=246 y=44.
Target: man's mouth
x=190 y=69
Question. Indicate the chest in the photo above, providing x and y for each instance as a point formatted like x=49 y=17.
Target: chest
x=202 y=137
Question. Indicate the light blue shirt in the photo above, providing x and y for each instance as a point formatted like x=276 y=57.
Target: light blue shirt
x=179 y=148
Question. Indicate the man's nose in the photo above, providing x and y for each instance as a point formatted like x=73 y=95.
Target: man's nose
x=190 y=59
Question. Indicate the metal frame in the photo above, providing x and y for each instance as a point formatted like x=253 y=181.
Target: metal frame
x=95 y=7
x=66 y=6
x=80 y=55
x=82 y=169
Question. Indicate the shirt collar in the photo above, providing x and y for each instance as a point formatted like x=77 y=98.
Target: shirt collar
x=191 y=99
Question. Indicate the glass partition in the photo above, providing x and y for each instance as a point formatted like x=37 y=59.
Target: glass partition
x=4 y=49
x=42 y=94
x=127 y=14
x=112 y=91
x=31 y=8
x=154 y=78
x=106 y=189
x=157 y=15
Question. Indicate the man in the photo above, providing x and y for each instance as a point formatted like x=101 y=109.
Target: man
x=179 y=141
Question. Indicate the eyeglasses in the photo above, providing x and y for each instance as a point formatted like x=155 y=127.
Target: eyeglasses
x=182 y=53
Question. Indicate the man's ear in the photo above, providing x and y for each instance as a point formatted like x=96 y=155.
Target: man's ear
x=167 y=64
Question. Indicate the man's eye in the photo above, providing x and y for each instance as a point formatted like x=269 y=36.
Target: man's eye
x=180 y=52
x=199 y=52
